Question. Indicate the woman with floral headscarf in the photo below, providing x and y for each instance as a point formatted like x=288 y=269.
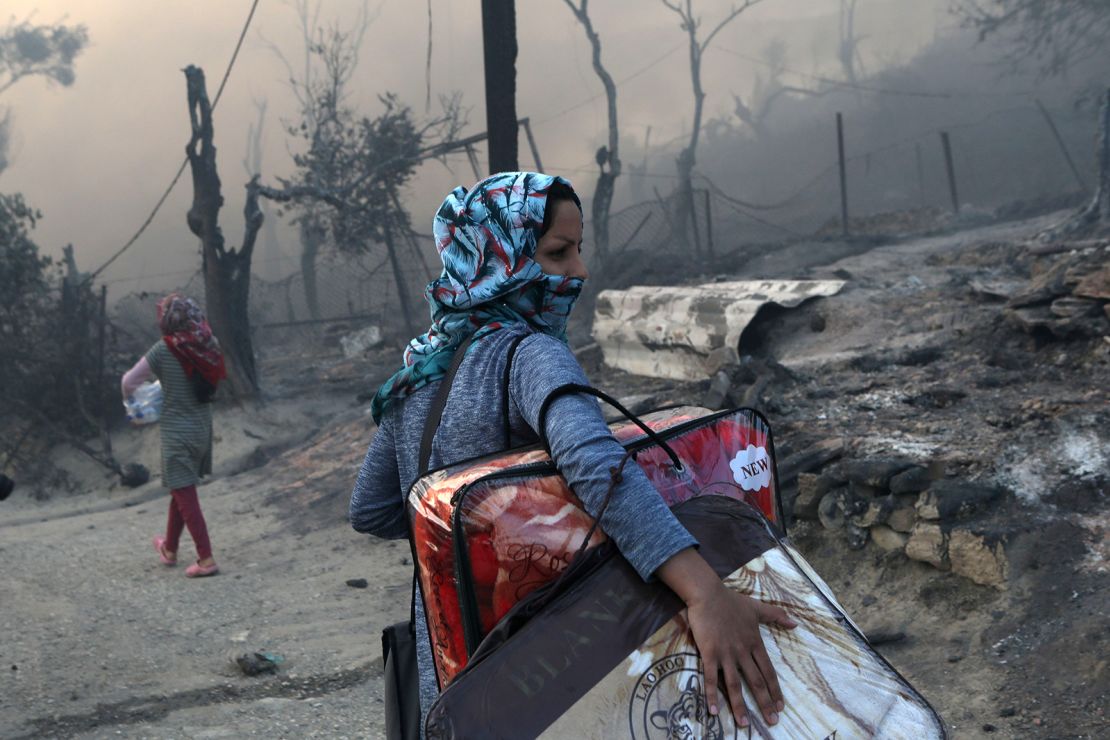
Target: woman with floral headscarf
x=188 y=362
x=512 y=265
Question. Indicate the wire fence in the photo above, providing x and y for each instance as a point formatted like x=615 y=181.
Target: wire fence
x=350 y=292
x=895 y=183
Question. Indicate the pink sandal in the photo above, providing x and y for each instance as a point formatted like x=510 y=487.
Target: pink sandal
x=160 y=546
x=196 y=570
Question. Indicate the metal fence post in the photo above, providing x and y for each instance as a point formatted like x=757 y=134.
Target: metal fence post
x=951 y=171
x=709 y=222
x=843 y=173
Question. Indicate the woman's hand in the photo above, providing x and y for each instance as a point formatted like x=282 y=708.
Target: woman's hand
x=725 y=625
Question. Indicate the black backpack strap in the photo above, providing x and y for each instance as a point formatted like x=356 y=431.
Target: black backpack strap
x=435 y=413
x=575 y=388
x=505 y=420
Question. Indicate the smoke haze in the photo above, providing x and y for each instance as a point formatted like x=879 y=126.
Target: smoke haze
x=95 y=157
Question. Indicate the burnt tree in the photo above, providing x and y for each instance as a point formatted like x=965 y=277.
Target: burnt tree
x=499 y=53
x=1052 y=35
x=608 y=157
x=320 y=84
x=227 y=271
x=1055 y=36
x=767 y=91
x=848 y=48
x=252 y=164
x=697 y=47
x=1095 y=216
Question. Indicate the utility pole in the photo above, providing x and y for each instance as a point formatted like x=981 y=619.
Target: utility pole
x=499 y=52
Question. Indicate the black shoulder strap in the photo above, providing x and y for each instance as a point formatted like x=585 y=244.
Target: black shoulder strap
x=574 y=388
x=505 y=381
x=435 y=413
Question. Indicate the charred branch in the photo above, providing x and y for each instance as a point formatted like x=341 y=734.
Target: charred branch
x=608 y=158
x=687 y=158
x=1093 y=218
x=227 y=272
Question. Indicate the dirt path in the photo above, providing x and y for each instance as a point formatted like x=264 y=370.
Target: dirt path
x=101 y=640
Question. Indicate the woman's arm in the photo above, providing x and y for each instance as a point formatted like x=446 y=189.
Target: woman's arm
x=725 y=624
x=376 y=504
x=136 y=376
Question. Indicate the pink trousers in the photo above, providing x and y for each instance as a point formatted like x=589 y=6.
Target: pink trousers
x=185 y=512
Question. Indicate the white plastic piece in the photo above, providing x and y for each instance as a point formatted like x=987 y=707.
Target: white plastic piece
x=144 y=406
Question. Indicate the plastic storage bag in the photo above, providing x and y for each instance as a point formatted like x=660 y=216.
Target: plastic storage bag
x=144 y=406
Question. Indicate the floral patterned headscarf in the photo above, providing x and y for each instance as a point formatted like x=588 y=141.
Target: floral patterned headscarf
x=487 y=240
x=186 y=332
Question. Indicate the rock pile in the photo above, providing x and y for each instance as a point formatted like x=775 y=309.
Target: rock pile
x=900 y=505
x=1068 y=295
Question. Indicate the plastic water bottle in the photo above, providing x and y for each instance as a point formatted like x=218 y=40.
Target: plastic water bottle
x=144 y=406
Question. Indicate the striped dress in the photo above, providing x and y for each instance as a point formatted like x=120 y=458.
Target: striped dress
x=186 y=423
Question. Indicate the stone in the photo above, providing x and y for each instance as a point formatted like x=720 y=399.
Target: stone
x=1070 y=307
x=835 y=472
x=979 y=557
x=721 y=358
x=878 y=509
x=903 y=516
x=811 y=488
x=829 y=512
x=134 y=475
x=937 y=398
x=851 y=504
x=255 y=664
x=887 y=539
x=1094 y=285
x=857 y=536
x=912 y=480
x=928 y=544
x=875 y=472
x=814 y=456
x=717 y=395
x=357 y=582
x=949 y=500
x=863 y=491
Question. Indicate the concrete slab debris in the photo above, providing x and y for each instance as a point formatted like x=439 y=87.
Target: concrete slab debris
x=689 y=332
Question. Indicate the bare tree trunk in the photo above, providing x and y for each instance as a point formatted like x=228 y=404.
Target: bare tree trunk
x=227 y=272
x=608 y=159
x=399 y=278
x=312 y=238
x=1095 y=216
x=252 y=163
x=499 y=46
x=1100 y=203
x=849 y=43
x=687 y=158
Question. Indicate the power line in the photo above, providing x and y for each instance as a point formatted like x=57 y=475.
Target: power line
x=185 y=163
x=763 y=221
x=870 y=88
x=620 y=82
